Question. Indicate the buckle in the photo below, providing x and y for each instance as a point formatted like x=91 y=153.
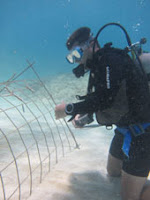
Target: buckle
x=138 y=129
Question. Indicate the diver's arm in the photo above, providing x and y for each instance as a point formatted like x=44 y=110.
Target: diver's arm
x=89 y=105
x=98 y=100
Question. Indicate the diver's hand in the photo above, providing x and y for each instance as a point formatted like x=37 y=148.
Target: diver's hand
x=81 y=120
x=76 y=122
x=60 y=111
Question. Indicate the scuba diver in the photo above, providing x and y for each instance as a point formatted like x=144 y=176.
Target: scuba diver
x=118 y=93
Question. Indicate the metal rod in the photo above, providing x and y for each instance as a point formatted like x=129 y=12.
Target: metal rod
x=3 y=187
x=17 y=171
x=77 y=146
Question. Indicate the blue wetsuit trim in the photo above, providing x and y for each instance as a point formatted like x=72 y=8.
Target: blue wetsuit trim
x=128 y=132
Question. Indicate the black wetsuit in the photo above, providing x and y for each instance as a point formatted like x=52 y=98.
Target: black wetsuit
x=106 y=86
x=102 y=98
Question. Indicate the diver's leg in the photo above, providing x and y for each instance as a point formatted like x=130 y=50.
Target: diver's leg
x=114 y=166
x=135 y=169
x=131 y=186
x=145 y=194
x=115 y=157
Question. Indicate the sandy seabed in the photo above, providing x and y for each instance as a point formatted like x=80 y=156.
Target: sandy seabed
x=80 y=174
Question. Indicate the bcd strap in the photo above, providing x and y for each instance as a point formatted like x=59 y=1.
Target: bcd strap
x=129 y=133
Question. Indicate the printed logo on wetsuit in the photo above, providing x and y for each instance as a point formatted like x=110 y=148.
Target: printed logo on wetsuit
x=108 y=77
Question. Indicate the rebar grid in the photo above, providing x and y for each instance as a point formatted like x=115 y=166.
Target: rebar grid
x=31 y=141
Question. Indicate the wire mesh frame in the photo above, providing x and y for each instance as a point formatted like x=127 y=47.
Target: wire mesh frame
x=68 y=134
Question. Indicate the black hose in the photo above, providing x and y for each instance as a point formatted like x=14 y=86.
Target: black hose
x=128 y=41
x=112 y=23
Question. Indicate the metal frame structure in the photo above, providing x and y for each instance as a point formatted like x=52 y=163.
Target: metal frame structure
x=31 y=140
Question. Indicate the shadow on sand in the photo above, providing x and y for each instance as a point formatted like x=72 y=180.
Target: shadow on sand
x=91 y=185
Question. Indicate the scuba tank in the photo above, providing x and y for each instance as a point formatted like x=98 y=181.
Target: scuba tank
x=108 y=57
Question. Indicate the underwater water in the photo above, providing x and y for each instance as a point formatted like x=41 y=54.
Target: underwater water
x=35 y=31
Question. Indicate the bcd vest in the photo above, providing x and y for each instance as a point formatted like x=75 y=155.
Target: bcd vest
x=114 y=66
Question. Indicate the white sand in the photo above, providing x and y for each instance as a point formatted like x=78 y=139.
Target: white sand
x=82 y=173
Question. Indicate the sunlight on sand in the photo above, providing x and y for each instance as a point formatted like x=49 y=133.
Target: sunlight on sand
x=80 y=173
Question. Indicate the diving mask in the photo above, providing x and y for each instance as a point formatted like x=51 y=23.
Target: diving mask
x=75 y=55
